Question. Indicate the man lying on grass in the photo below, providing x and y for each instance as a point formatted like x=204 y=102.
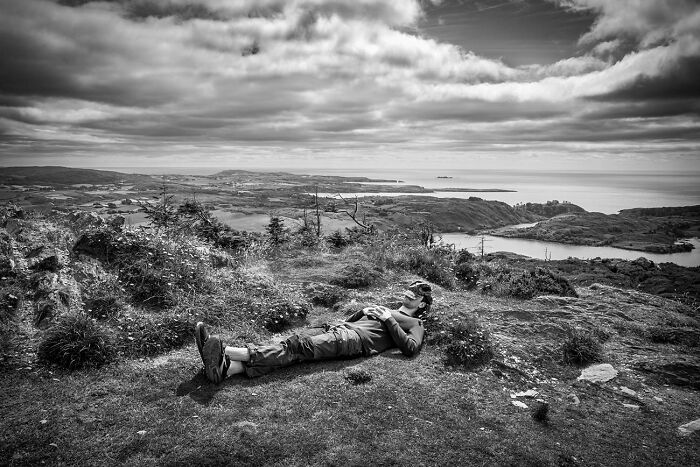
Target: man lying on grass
x=370 y=331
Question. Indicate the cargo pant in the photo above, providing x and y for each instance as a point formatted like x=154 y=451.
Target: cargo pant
x=338 y=342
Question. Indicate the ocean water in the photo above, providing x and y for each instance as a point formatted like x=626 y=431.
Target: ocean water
x=606 y=192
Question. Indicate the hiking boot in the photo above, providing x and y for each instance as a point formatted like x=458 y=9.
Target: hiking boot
x=200 y=336
x=216 y=362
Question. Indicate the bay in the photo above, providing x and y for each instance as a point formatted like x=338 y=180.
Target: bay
x=558 y=251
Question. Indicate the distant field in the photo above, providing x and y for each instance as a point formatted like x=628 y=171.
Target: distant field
x=258 y=222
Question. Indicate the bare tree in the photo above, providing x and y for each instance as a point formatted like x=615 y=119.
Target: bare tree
x=353 y=215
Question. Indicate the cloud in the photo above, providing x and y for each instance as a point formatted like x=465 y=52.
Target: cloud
x=329 y=73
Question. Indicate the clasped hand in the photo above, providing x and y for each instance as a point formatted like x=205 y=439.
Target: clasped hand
x=379 y=312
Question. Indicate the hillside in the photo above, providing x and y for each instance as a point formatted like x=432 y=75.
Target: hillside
x=500 y=333
x=61 y=176
x=631 y=230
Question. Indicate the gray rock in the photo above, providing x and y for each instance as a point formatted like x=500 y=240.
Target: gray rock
x=689 y=428
x=117 y=221
x=598 y=373
x=627 y=391
x=12 y=226
x=573 y=399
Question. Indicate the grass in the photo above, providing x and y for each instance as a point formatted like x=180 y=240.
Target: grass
x=158 y=409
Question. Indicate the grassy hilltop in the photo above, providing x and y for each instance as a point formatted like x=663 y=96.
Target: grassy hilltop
x=99 y=366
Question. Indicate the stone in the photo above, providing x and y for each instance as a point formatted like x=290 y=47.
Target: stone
x=631 y=406
x=628 y=391
x=573 y=399
x=117 y=222
x=528 y=393
x=689 y=428
x=50 y=263
x=658 y=399
x=519 y=404
x=598 y=373
x=13 y=226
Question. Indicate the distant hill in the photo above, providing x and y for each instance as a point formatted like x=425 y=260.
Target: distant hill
x=551 y=208
x=55 y=175
x=683 y=211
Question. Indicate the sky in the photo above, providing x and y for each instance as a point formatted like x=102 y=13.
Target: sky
x=526 y=84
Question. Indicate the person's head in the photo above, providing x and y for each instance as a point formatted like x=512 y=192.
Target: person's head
x=417 y=299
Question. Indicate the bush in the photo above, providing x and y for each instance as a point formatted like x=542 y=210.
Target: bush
x=582 y=348
x=503 y=280
x=76 y=341
x=356 y=275
x=282 y=314
x=462 y=338
x=433 y=264
x=324 y=295
x=150 y=334
x=155 y=269
x=336 y=240
x=103 y=300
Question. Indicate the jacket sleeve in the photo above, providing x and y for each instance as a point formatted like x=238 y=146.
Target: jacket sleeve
x=408 y=342
x=355 y=316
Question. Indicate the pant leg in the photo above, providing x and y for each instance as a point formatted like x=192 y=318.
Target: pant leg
x=337 y=343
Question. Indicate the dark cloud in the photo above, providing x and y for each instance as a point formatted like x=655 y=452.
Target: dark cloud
x=472 y=110
x=682 y=81
x=144 y=9
x=647 y=109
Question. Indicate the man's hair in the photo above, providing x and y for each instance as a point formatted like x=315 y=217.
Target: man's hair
x=426 y=291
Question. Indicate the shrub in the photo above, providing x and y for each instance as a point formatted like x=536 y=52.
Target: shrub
x=276 y=231
x=282 y=314
x=356 y=275
x=76 y=341
x=336 y=240
x=358 y=376
x=323 y=294
x=152 y=334
x=503 y=280
x=463 y=339
x=103 y=300
x=582 y=348
x=432 y=264
x=155 y=269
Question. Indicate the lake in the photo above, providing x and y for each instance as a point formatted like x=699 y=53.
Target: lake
x=558 y=251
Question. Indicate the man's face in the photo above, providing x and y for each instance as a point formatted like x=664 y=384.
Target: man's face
x=411 y=301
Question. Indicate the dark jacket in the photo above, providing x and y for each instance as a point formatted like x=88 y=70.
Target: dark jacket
x=400 y=331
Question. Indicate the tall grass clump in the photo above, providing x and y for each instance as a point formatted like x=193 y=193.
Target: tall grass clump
x=76 y=341
x=150 y=334
x=581 y=348
x=408 y=251
x=463 y=339
x=357 y=275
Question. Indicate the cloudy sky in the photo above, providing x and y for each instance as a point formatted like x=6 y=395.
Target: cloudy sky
x=577 y=84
